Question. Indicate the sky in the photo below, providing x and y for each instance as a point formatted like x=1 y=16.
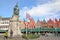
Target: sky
x=37 y=9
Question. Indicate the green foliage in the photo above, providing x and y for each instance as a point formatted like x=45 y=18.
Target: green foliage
x=6 y=34
x=30 y=36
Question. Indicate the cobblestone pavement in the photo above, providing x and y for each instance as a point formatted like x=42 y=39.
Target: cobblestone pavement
x=47 y=38
x=11 y=38
x=40 y=38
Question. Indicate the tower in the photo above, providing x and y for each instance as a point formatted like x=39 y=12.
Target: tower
x=14 y=22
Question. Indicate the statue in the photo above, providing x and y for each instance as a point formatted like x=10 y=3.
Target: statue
x=16 y=9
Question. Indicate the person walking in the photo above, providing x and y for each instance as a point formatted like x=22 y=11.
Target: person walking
x=11 y=33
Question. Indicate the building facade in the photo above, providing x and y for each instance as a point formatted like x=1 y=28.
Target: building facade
x=4 y=23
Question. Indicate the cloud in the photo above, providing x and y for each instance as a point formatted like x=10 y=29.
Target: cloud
x=45 y=9
x=48 y=10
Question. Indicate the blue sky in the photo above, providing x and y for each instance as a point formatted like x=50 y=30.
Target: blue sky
x=38 y=9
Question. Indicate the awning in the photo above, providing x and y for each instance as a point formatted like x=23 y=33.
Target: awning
x=41 y=29
x=3 y=30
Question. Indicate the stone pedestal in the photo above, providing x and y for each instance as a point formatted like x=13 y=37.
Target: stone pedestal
x=14 y=26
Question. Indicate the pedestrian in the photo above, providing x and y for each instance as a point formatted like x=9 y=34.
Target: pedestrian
x=11 y=33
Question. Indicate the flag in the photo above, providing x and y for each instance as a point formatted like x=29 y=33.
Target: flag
x=32 y=23
x=27 y=15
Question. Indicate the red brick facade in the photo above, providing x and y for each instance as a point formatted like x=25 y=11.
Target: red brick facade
x=49 y=24
x=58 y=24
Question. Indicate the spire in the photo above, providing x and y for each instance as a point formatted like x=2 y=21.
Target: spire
x=44 y=20
x=38 y=20
x=16 y=10
x=56 y=20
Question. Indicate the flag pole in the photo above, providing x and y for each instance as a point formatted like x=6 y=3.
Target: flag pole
x=26 y=28
x=27 y=16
